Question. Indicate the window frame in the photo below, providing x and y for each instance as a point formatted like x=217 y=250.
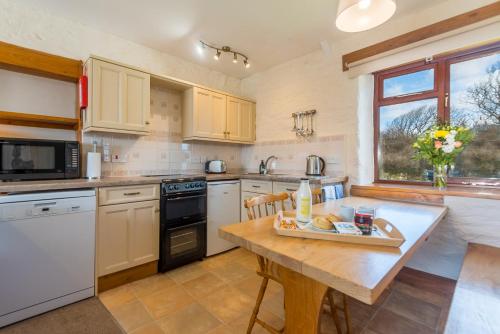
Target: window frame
x=441 y=64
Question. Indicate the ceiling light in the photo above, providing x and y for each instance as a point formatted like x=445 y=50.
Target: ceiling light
x=227 y=49
x=361 y=15
x=217 y=55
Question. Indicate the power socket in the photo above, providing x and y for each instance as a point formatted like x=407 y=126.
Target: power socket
x=118 y=157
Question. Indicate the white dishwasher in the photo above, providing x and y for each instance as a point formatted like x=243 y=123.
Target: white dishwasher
x=223 y=208
x=47 y=243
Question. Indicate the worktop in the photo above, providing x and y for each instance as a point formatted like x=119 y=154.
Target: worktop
x=31 y=186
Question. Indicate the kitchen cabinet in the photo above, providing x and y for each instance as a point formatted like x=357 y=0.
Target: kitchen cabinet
x=240 y=120
x=223 y=208
x=208 y=115
x=119 y=99
x=127 y=235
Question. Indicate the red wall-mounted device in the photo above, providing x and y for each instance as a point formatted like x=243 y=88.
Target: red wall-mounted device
x=83 y=82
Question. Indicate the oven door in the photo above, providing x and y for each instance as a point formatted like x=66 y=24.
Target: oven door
x=184 y=208
x=31 y=159
x=181 y=245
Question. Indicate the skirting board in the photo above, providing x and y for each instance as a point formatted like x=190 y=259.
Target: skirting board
x=114 y=280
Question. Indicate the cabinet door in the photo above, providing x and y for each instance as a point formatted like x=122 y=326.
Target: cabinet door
x=120 y=98
x=113 y=238
x=128 y=235
x=240 y=120
x=144 y=232
x=107 y=91
x=209 y=114
x=136 y=101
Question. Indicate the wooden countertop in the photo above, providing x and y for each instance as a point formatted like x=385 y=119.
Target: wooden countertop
x=422 y=193
x=360 y=271
x=32 y=186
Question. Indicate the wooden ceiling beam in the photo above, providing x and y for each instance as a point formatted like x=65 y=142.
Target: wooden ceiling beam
x=438 y=28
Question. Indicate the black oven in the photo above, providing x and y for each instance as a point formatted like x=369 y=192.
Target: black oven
x=183 y=221
x=36 y=159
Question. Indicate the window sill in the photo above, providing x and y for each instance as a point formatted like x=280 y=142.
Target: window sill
x=422 y=193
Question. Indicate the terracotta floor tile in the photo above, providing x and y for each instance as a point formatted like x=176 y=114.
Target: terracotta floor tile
x=166 y=301
x=192 y=319
x=151 y=284
x=151 y=328
x=274 y=303
x=422 y=294
x=118 y=296
x=232 y=272
x=203 y=285
x=240 y=325
x=186 y=273
x=227 y=304
x=132 y=315
x=387 y=322
x=251 y=285
x=222 y=329
x=414 y=309
x=427 y=282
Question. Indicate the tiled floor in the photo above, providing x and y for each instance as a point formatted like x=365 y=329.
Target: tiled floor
x=216 y=296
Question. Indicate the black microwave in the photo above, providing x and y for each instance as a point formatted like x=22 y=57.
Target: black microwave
x=37 y=159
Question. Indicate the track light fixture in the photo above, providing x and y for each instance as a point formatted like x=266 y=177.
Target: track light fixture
x=217 y=55
x=227 y=49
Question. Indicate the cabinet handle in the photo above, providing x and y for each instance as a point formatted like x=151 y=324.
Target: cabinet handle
x=256 y=186
x=147 y=122
x=289 y=189
x=132 y=194
x=157 y=210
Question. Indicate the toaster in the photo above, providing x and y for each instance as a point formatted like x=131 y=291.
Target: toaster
x=215 y=166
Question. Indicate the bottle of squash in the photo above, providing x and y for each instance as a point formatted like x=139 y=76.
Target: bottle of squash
x=304 y=202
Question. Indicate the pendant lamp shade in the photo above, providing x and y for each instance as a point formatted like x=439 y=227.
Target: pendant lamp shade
x=361 y=15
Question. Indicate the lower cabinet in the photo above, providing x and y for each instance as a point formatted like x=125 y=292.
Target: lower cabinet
x=128 y=235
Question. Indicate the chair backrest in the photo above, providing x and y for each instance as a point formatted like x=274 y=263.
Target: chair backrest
x=317 y=197
x=265 y=205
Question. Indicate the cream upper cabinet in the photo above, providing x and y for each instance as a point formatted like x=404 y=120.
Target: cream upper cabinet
x=119 y=99
x=209 y=109
x=240 y=120
x=209 y=115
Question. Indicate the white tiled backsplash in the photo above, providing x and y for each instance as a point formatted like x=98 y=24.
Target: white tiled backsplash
x=292 y=154
x=163 y=151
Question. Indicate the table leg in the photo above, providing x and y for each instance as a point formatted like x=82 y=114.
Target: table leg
x=303 y=302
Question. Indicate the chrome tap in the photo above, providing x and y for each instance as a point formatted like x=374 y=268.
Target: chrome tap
x=266 y=168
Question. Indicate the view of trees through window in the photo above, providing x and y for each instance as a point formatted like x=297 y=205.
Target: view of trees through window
x=409 y=103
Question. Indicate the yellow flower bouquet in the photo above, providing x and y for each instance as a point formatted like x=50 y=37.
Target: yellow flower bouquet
x=440 y=145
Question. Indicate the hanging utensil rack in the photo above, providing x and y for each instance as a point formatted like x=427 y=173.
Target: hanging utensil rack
x=303 y=124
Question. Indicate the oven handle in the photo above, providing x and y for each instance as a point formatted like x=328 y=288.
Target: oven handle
x=185 y=197
x=186 y=226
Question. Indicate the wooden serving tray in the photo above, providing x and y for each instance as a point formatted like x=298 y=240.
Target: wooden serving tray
x=386 y=234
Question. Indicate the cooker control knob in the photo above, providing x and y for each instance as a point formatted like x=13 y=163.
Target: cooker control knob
x=176 y=187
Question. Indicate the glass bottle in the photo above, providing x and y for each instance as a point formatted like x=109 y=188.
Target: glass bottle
x=304 y=202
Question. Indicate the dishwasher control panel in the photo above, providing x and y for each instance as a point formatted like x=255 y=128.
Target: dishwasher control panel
x=42 y=208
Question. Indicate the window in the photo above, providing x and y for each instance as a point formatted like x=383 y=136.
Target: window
x=460 y=89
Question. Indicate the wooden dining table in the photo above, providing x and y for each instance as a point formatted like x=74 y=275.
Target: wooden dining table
x=309 y=267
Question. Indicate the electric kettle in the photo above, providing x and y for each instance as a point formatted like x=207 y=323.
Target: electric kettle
x=315 y=165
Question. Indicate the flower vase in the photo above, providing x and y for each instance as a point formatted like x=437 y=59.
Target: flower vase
x=440 y=177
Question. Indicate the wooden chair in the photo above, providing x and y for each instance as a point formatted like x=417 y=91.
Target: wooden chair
x=258 y=207
x=317 y=197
